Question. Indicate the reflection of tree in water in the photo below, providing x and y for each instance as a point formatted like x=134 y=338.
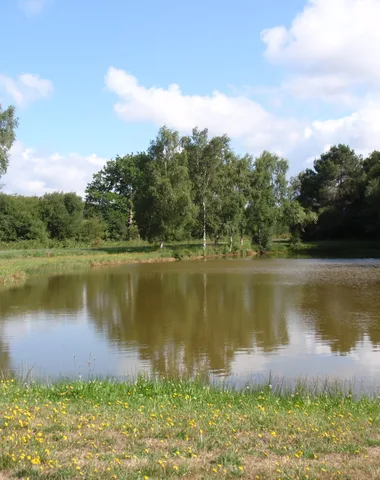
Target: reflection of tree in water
x=188 y=319
x=5 y=358
x=185 y=322
x=342 y=314
x=63 y=293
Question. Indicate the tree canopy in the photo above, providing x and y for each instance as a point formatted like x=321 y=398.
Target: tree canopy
x=342 y=190
x=196 y=186
x=8 y=125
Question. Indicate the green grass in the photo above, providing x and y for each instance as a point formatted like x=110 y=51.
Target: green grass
x=17 y=265
x=327 y=248
x=169 y=429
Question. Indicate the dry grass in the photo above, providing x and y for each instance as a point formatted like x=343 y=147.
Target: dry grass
x=173 y=429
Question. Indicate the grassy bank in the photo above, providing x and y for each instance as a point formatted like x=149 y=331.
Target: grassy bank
x=330 y=248
x=18 y=269
x=17 y=264
x=171 y=429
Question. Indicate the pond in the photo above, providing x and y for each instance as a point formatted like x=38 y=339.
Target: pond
x=234 y=319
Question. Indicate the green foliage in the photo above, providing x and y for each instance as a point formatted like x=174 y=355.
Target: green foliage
x=343 y=191
x=92 y=229
x=8 y=125
x=298 y=218
x=112 y=195
x=268 y=190
x=62 y=213
x=164 y=207
x=234 y=193
x=371 y=208
x=205 y=159
x=196 y=186
x=19 y=219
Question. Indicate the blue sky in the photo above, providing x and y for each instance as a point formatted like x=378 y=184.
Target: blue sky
x=91 y=79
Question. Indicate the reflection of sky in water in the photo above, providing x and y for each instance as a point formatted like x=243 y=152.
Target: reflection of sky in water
x=71 y=341
x=68 y=349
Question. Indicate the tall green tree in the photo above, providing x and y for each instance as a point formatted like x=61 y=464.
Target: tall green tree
x=268 y=191
x=334 y=189
x=164 y=205
x=338 y=173
x=234 y=195
x=20 y=219
x=371 y=207
x=62 y=214
x=111 y=195
x=205 y=161
x=8 y=125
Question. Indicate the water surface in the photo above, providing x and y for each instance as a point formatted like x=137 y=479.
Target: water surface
x=235 y=319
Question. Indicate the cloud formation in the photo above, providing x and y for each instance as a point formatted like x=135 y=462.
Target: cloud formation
x=35 y=173
x=327 y=55
x=32 y=7
x=26 y=88
x=242 y=119
x=239 y=116
x=333 y=43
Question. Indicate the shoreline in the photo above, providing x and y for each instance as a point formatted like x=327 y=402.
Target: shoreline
x=16 y=266
x=147 y=429
x=17 y=270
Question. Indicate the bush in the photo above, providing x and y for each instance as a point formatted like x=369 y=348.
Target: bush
x=92 y=230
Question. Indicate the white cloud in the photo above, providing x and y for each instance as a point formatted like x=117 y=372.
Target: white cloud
x=35 y=173
x=327 y=88
x=26 y=88
x=328 y=54
x=361 y=129
x=240 y=117
x=32 y=7
x=331 y=44
x=244 y=119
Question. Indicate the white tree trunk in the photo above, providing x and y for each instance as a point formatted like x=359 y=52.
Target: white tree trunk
x=204 y=227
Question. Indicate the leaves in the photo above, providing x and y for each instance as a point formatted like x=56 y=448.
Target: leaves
x=8 y=125
x=342 y=191
x=268 y=190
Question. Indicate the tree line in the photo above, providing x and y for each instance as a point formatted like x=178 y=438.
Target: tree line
x=192 y=187
x=196 y=186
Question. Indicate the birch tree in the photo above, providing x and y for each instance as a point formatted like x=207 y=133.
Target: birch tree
x=268 y=189
x=8 y=125
x=205 y=160
x=165 y=206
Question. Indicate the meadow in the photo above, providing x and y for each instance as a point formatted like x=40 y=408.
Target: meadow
x=21 y=260
x=18 y=262
x=146 y=429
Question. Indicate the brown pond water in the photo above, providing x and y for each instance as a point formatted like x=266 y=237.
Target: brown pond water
x=235 y=319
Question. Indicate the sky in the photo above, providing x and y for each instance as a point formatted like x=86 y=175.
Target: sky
x=94 y=79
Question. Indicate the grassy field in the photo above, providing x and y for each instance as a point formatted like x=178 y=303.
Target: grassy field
x=17 y=264
x=171 y=429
